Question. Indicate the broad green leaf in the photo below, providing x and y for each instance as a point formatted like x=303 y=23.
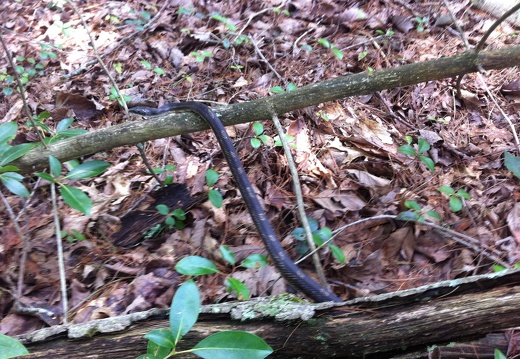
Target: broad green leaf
x=9 y=168
x=455 y=203
x=313 y=224
x=15 y=152
x=338 y=253
x=232 y=344
x=317 y=239
x=338 y=53
x=423 y=145
x=154 y=351
x=64 y=124
x=227 y=254
x=463 y=194
x=433 y=214
x=8 y=131
x=447 y=190
x=234 y=285
x=408 y=216
x=55 y=166
x=254 y=261
x=258 y=128
x=407 y=150
x=88 y=169
x=45 y=176
x=325 y=233
x=11 y=181
x=169 y=221
x=277 y=89
x=291 y=87
x=162 y=338
x=163 y=209
x=76 y=198
x=267 y=140
x=428 y=162
x=215 y=197
x=196 y=265
x=185 y=309
x=412 y=205
x=211 y=177
x=499 y=355
x=10 y=347
x=298 y=234
x=324 y=42
x=512 y=163
x=180 y=214
x=255 y=142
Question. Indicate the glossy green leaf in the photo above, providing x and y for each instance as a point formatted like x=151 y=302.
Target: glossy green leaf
x=234 y=285
x=196 y=265
x=298 y=234
x=255 y=142
x=8 y=131
x=211 y=177
x=215 y=197
x=338 y=53
x=325 y=233
x=232 y=344
x=180 y=214
x=412 y=205
x=407 y=150
x=15 y=152
x=76 y=198
x=13 y=182
x=433 y=214
x=254 y=261
x=291 y=87
x=455 y=203
x=258 y=128
x=428 y=162
x=423 y=145
x=324 y=42
x=463 y=194
x=88 y=169
x=277 y=89
x=162 y=338
x=338 y=253
x=499 y=355
x=45 y=176
x=184 y=310
x=408 y=216
x=9 y=168
x=55 y=166
x=267 y=140
x=162 y=209
x=227 y=254
x=11 y=348
x=64 y=124
x=512 y=163
x=447 y=190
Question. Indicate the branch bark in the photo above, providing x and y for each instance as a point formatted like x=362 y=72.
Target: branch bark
x=133 y=132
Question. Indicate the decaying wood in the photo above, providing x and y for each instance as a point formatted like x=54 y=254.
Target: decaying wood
x=133 y=132
x=377 y=327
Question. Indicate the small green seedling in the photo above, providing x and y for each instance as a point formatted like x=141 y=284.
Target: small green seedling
x=420 y=153
x=73 y=236
x=200 y=56
x=169 y=177
x=321 y=236
x=174 y=219
x=214 y=195
x=260 y=137
x=421 y=21
x=415 y=213
x=456 y=198
x=325 y=43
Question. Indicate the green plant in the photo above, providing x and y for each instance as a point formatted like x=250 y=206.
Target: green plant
x=73 y=236
x=184 y=313
x=420 y=153
x=362 y=55
x=325 y=43
x=214 y=195
x=415 y=213
x=499 y=354
x=389 y=32
x=260 y=137
x=11 y=348
x=321 y=236
x=421 y=21
x=73 y=196
x=455 y=197
x=148 y=66
x=168 y=179
x=115 y=96
x=174 y=219
x=201 y=56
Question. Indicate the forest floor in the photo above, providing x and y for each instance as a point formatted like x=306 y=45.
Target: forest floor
x=346 y=151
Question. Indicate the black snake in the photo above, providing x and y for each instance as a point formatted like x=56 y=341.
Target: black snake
x=294 y=275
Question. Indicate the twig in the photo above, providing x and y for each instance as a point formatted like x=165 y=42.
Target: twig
x=299 y=200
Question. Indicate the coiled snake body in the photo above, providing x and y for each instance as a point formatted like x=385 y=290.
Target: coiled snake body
x=292 y=273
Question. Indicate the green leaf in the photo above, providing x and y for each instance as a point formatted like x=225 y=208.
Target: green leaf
x=64 y=124
x=55 y=166
x=88 y=169
x=298 y=234
x=76 y=198
x=407 y=150
x=338 y=253
x=161 y=337
x=325 y=233
x=428 y=162
x=15 y=152
x=291 y=87
x=180 y=214
x=211 y=177
x=255 y=142
x=512 y=163
x=498 y=268
x=499 y=354
x=234 y=285
x=258 y=128
x=169 y=221
x=185 y=310
x=455 y=204
x=447 y=190
x=9 y=168
x=463 y=194
x=408 y=216
x=215 y=197
x=14 y=183
x=46 y=176
x=232 y=345
x=423 y=145
x=413 y=205
x=277 y=89
x=254 y=261
x=227 y=254
x=10 y=347
x=8 y=131
x=196 y=265
x=324 y=42
x=154 y=351
x=433 y=214
x=337 y=52
x=163 y=209
x=267 y=140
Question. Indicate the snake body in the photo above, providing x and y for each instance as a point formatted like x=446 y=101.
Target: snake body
x=292 y=273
